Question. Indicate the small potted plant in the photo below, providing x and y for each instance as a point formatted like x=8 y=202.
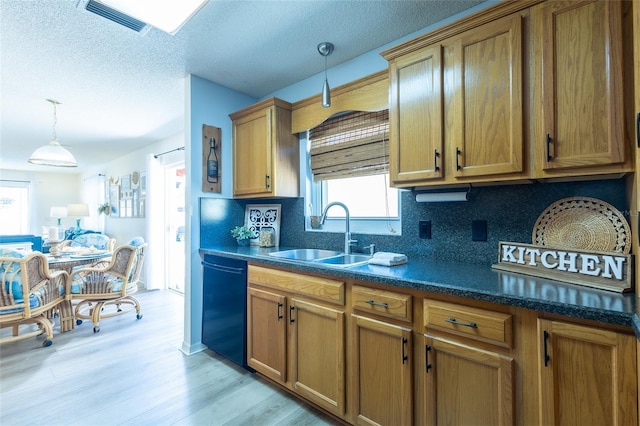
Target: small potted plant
x=242 y=234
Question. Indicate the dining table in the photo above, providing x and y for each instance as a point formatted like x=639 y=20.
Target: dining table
x=66 y=262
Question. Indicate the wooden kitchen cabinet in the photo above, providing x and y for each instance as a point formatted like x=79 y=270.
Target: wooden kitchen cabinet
x=587 y=375
x=318 y=354
x=468 y=370
x=455 y=108
x=467 y=385
x=297 y=341
x=265 y=154
x=579 y=95
x=415 y=117
x=267 y=333
x=382 y=369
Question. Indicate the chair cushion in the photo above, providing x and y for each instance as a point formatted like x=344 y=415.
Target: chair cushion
x=13 y=272
x=117 y=286
x=98 y=241
x=137 y=241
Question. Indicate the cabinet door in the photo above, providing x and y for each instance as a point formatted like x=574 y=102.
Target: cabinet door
x=266 y=333
x=483 y=98
x=580 y=63
x=415 y=117
x=466 y=385
x=587 y=375
x=382 y=371
x=318 y=354
x=252 y=139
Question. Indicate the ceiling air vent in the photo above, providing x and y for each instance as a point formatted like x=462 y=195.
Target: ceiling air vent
x=113 y=15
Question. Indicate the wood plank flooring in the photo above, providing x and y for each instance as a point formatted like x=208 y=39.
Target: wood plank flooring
x=133 y=373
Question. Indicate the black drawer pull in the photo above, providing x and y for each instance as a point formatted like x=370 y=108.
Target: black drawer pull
x=374 y=303
x=549 y=141
x=464 y=324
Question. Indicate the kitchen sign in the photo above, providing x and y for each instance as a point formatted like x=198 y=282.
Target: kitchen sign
x=607 y=271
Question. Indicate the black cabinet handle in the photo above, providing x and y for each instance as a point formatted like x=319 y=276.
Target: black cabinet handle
x=638 y=129
x=279 y=311
x=291 y=320
x=458 y=153
x=374 y=303
x=436 y=154
x=427 y=348
x=546 y=353
x=404 y=355
x=549 y=140
x=464 y=324
x=266 y=181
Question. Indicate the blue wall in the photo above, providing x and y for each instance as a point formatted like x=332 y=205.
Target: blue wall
x=207 y=103
x=510 y=211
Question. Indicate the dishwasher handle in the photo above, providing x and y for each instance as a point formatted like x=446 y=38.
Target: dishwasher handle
x=223 y=268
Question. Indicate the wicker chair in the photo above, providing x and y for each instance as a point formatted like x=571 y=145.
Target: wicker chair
x=30 y=294
x=103 y=291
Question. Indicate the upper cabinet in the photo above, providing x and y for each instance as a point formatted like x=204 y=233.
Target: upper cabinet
x=521 y=90
x=455 y=107
x=578 y=72
x=483 y=99
x=266 y=159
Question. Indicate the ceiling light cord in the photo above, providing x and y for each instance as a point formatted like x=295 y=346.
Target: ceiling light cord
x=55 y=120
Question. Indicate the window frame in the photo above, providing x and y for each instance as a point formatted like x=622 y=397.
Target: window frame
x=315 y=196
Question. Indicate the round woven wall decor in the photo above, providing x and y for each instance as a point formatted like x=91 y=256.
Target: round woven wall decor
x=583 y=223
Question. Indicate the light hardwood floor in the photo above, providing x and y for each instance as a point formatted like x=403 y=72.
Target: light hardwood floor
x=133 y=373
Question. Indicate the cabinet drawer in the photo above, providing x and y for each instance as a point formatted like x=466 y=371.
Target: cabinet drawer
x=479 y=324
x=386 y=303
x=315 y=287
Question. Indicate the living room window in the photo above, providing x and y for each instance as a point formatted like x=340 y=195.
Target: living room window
x=348 y=162
x=14 y=208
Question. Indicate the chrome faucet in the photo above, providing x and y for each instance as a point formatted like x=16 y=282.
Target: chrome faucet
x=347 y=234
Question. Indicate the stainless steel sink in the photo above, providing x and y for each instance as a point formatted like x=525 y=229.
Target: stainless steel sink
x=304 y=254
x=345 y=260
x=326 y=257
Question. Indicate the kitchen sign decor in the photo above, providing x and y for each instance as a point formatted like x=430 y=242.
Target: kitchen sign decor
x=595 y=241
x=607 y=271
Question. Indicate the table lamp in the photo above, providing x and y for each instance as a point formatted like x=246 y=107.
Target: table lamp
x=78 y=211
x=58 y=213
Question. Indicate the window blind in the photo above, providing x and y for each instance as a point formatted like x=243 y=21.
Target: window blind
x=353 y=144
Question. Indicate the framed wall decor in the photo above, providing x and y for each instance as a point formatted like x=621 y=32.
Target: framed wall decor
x=259 y=217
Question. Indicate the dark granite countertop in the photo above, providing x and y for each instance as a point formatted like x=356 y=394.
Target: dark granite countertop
x=471 y=281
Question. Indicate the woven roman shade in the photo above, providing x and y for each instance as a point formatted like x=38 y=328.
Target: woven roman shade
x=353 y=144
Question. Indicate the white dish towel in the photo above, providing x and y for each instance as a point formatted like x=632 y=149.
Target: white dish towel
x=388 y=259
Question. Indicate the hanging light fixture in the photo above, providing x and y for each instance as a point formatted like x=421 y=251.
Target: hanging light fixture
x=53 y=154
x=325 y=49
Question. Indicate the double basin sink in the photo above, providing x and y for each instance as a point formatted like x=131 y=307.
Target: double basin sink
x=325 y=257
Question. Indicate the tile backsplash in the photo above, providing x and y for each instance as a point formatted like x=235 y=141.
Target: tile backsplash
x=510 y=212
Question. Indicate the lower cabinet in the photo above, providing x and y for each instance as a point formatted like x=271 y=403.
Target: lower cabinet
x=318 y=358
x=296 y=342
x=267 y=333
x=372 y=355
x=465 y=385
x=587 y=375
x=382 y=372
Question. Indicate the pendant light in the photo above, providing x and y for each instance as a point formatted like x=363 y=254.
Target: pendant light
x=53 y=154
x=325 y=49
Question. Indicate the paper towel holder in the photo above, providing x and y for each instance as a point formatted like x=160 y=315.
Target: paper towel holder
x=440 y=197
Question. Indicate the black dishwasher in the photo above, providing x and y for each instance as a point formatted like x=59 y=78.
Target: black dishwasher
x=224 y=307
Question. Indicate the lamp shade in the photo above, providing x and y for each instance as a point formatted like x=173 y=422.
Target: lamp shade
x=78 y=210
x=58 y=212
x=53 y=154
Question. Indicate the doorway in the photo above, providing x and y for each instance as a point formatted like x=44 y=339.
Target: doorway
x=175 y=252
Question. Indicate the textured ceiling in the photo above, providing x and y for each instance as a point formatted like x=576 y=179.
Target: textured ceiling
x=121 y=91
